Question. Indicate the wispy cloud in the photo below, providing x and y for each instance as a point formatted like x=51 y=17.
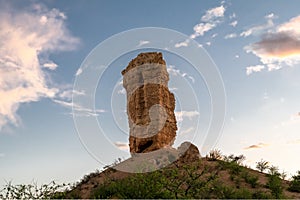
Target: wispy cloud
x=279 y=47
x=213 y=14
x=2 y=155
x=260 y=28
x=27 y=37
x=256 y=146
x=79 y=109
x=122 y=145
x=176 y=72
x=50 y=65
x=186 y=131
x=188 y=114
x=142 y=43
x=209 y=20
x=234 y=23
x=256 y=68
x=231 y=35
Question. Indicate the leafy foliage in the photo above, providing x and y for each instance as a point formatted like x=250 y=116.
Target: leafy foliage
x=295 y=183
x=275 y=185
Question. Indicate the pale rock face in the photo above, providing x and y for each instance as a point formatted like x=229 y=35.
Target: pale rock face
x=150 y=104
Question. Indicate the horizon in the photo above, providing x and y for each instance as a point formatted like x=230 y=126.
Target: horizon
x=46 y=49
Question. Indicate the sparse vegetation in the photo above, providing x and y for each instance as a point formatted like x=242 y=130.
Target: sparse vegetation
x=213 y=177
x=262 y=165
x=295 y=183
x=33 y=191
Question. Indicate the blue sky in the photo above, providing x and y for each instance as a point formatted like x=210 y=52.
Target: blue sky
x=254 y=44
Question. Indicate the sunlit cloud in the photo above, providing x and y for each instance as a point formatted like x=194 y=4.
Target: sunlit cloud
x=186 y=114
x=209 y=21
x=122 y=146
x=257 y=146
x=27 y=37
x=252 y=69
x=279 y=47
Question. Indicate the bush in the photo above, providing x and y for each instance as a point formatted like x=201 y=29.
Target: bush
x=252 y=180
x=274 y=184
x=295 y=183
x=214 y=155
x=262 y=165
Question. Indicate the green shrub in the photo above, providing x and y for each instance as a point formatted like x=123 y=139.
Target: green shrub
x=262 y=165
x=295 y=183
x=274 y=184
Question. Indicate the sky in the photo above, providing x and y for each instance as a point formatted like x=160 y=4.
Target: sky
x=46 y=46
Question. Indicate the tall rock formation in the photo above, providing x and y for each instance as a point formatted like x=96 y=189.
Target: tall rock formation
x=150 y=104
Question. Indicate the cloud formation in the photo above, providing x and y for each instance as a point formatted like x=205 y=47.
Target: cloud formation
x=209 y=20
x=188 y=114
x=172 y=70
x=260 y=28
x=256 y=146
x=27 y=37
x=279 y=47
x=256 y=68
x=231 y=35
x=122 y=145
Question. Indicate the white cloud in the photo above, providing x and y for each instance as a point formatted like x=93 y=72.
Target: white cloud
x=182 y=44
x=279 y=46
x=122 y=145
x=234 y=23
x=256 y=68
x=208 y=43
x=201 y=28
x=231 y=35
x=176 y=72
x=186 y=131
x=143 y=42
x=260 y=28
x=50 y=65
x=2 y=155
x=209 y=20
x=189 y=114
x=213 y=13
x=79 y=109
x=27 y=37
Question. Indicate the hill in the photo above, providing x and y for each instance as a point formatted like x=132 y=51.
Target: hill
x=206 y=177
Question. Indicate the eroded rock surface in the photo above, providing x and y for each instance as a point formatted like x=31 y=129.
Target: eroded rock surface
x=150 y=104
